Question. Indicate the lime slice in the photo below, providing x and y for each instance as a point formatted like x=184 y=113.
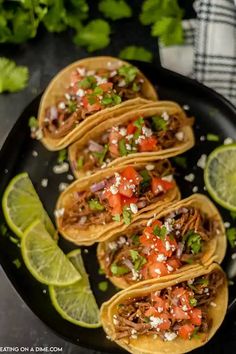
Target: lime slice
x=76 y=303
x=220 y=176
x=21 y=206
x=44 y=259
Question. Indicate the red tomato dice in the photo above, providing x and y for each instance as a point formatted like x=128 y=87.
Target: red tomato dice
x=179 y=314
x=130 y=128
x=131 y=175
x=186 y=331
x=165 y=325
x=152 y=311
x=195 y=316
x=127 y=201
x=148 y=144
x=174 y=263
x=157 y=269
x=114 y=201
x=96 y=106
x=125 y=188
x=114 y=138
x=159 y=185
x=106 y=86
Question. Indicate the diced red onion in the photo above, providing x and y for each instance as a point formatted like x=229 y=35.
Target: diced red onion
x=141 y=204
x=95 y=147
x=128 y=263
x=53 y=113
x=97 y=186
x=180 y=249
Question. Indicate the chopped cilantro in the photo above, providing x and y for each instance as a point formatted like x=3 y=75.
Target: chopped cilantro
x=13 y=78
x=146 y=180
x=80 y=162
x=116 y=99
x=134 y=255
x=135 y=240
x=193 y=301
x=119 y=270
x=159 y=123
x=71 y=106
x=202 y=281
x=135 y=87
x=115 y=9
x=33 y=123
x=87 y=82
x=116 y=217
x=189 y=261
x=139 y=262
x=169 y=30
x=103 y=285
x=94 y=204
x=17 y=263
x=136 y=53
x=180 y=161
x=212 y=137
x=107 y=100
x=195 y=333
x=129 y=73
x=122 y=147
x=139 y=122
x=126 y=216
x=231 y=235
x=98 y=91
x=100 y=156
x=62 y=156
x=193 y=241
x=95 y=35
x=160 y=231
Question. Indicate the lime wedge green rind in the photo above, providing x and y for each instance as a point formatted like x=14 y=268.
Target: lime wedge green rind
x=76 y=303
x=220 y=176
x=44 y=259
x=21 y=206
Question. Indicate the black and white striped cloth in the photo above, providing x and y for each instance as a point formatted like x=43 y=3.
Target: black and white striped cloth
x=209 y=51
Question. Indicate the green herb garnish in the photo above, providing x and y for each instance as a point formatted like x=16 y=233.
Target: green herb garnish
x=119 y=270
x=100 y=156
x=17 y=263
x=122 y=147
x=134 y=255
x=62 y=155
x=101 y=271
x=87 y=83
x=212 y=137
x=231 y=236
x=126 y=216
x=80 y=162
x=158 y=123
x=115 y=9
x=160 y=231
x=193 y=301
x=135 y=240
x=71 y=106
x=107 y=100
x=103 y=285
x=139 y=122
x=13 y=78
x=33 y=123
x=129 y=73
x=136 y=53
x=193 y=241
x=116 y=217
x=94 y=204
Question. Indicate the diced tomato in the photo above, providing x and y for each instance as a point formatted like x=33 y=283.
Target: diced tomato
x=114 y=201
x=125 y=189
x=107 y=86
x=159 y=185
x=144 y=272
x=148 y=144
x=159 y=302
x=127 y=201
x=152 y=311
x=156 y=222
x=157 y=270
x=163 y=246
x=131 y=128
x=166 y=322
x=178 y=292
x=147 y=239
x=196 y=316
x=96 y=106
x=186 y=331
x=114 y=138
x=184 y=300
x=131 y=175
x=179 y=314
x=174 y=263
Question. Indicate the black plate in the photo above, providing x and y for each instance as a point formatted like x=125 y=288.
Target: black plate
x=213 y=115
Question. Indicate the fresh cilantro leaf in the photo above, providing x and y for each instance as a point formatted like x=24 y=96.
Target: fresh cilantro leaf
x=95 y=35
x=140 y=261
x=116 y=217
x=193 y=241
x=202 y=281
x=33 y=123
x=17 y=263
x=126 y=216
x=231 y=235
x=160 y=231
x=180 y=161
x=95 y=205
x=129 y=72
x=192 y=301
x=119 y=270
x=135 y=240
x=13 y=78
x=103 y=285
x=212 y=137
x=122 y=147
x=169 y=30
x=71 y=106
x=80 y=162
x=159 y=123
x=54 y=21
x=100 y=156
x=146 y=180
x=136 y=53
x=134 y=255
x=139 y=122
x=154 y=10
x=115 y=9
x=62 y=156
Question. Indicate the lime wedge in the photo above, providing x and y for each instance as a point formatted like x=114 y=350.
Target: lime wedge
x=220 y=176
x=21 y=206
x=44 y=259
x=76 y=303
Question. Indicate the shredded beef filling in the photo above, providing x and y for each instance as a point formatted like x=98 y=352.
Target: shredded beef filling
x=131 y=321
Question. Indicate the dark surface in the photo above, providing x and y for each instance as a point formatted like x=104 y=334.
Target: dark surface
x=213 y=114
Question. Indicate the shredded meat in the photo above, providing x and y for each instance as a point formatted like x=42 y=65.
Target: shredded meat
x=131 y=319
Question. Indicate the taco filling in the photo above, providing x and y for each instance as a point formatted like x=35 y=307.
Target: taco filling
x=149 y=134
x=90 y=91
x=178 y=311
x=161 y=247
x=120 y=196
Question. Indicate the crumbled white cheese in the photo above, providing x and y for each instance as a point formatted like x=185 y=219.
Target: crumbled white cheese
x=39 y=134
x=226 y=224
x=59 y=212
x=157 y=271
x=44 y=182
x=81 y=71
x=169 y=268
x=161 y=257
x=167 y=245
x=202 y=138
x=169 y=336
x=133 y=208
x=155 y=321
x=179 y=136
x=149 y=222
x=34 y=153
x=114 y=141
x=70 y=177
x=195 y=189
x=202 y=161
x=62 y=186
x=90 y=72
x=61 y=105
x=128 y=146
x=112 y=245
x=80 y=93
x=186 y=107
x=190 y=177
x=62 y=168
x=123 y=131
x=185 y=308
x=159 y=309
x=168 y=178
x=147 y=132
x=150 y=167
x=113 y=73
x=165 y=116
x=113 y=189
x=121 y=83
x=67 y=96
x=228 y=141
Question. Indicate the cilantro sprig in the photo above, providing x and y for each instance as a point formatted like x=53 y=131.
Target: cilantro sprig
x=13 y=78
x=115 y=9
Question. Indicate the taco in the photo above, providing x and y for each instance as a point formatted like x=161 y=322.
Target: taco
x=169 y=316
x=86 y=93
x=187 y=232
x=150 y=132
x=93 y=207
